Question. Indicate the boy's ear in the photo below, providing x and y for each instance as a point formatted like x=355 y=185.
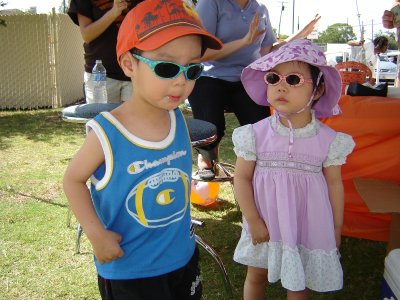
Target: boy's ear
x=127 y=64
x=320 y=91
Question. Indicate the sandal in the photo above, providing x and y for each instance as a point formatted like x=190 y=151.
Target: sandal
x=204 y=174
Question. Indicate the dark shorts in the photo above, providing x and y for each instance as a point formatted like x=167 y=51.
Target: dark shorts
x=184 y=283
x=212 y=97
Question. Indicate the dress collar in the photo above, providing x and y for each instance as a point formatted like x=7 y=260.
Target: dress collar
x=311 y=129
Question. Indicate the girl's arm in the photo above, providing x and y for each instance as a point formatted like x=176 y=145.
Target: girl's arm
x=244 y=194
x=91 y=30
x=105 y=243
x=333 y=179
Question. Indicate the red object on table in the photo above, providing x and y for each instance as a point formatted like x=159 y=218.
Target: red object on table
x=374 y=124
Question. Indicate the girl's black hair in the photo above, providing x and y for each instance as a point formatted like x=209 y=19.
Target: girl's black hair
x=314 y=75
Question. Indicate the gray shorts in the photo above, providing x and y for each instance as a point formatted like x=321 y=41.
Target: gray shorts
x=117 y=90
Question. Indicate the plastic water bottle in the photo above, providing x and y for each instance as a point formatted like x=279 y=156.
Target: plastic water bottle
x=99 y=77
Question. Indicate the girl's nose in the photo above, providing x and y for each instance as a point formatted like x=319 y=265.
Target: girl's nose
x=282 y=86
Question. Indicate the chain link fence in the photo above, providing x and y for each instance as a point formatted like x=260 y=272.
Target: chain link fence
x=41 y=59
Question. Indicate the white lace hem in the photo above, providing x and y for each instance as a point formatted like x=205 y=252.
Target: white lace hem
x=297 y=268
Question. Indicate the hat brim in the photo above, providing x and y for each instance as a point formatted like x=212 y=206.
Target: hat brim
x=256 y=88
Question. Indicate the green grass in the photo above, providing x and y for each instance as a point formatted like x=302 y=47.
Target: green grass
x=37 y=259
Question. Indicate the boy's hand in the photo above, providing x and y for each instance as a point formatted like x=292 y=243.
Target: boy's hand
x=106 y=246
x=258 y=230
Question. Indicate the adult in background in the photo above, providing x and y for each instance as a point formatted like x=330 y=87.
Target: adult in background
x=99 y=22
x=388 y=22
x=245 y=29
x=365 y=52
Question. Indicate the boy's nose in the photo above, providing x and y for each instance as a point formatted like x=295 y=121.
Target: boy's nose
x=180 y=79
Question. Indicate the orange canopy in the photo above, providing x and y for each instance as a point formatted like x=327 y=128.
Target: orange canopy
x=374 y=124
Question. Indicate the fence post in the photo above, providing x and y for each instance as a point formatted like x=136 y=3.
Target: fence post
x=54 y=58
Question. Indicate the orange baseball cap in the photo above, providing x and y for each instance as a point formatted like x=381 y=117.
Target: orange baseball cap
x=153 y=23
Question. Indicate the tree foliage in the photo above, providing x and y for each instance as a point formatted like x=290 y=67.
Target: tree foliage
x=391 y=37
x=338 y=33
x=2 y=22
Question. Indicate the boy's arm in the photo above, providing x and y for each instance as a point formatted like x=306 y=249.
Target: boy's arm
x=333 y=179
x=91 y=30
x=244 y=194
x=105 y=243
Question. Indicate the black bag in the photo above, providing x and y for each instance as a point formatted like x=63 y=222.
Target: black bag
x=357 y=89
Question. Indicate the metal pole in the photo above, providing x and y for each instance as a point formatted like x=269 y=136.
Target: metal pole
x=372 y=29
x=293 y=18
x=280 y=19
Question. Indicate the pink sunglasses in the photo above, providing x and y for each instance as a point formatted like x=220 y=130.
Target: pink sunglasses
x=292 y=79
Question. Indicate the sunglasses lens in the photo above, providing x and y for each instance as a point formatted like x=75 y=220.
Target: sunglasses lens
x=194 y=72
x=166 y=70
x=272 y=78
x=293 y=79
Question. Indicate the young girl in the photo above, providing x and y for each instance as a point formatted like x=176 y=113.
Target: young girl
x=288 y=174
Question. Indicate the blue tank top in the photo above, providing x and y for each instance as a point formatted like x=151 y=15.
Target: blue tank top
x=142 y=191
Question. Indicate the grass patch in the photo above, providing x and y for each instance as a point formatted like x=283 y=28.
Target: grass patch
x=37 y=259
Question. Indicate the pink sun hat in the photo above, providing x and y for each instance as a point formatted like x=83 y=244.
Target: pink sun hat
x=297 y=50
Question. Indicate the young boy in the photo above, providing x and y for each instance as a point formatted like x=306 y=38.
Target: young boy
x=139 y=160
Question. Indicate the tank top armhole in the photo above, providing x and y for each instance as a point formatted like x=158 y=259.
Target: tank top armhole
x=101 y=183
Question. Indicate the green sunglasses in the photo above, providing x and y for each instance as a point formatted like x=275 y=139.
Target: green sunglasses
x=169 y=70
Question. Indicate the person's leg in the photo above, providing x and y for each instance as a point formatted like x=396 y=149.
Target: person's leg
x=207 y=103
x=143 y=288
x=186 y=282
x=88 y=87
x=298 y=295
x=255 y=283
x=245 y=109
x=126 y=90
x=114 y=90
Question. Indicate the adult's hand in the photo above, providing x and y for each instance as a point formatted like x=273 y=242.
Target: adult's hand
x=308 y=29
x=387 y=19
x=118 y=7
x=253 y=33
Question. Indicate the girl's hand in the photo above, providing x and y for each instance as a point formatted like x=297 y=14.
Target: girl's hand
x=106 y=246
x=253 y=33
x=118 y=7
x=258 y=230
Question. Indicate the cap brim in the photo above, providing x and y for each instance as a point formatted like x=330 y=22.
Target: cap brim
x=169 y=34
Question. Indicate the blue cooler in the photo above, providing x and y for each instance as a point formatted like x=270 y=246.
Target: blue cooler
x=391 y=276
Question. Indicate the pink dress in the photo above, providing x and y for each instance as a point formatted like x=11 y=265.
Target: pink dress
x=291 y=196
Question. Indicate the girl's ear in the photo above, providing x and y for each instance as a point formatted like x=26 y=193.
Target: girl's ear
x=128 y=64
x=320 y=91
